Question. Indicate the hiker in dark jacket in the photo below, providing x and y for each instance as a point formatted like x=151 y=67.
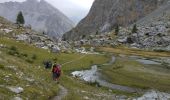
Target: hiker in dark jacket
x=56 y=70
x=48 y=64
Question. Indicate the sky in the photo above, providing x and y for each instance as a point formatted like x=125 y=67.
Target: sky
x=74 y=9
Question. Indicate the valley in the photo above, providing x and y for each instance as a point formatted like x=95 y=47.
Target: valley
x=17 y=71
x=119 y=52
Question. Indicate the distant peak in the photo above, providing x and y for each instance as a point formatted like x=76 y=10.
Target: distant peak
x=32 y=1
x=43 y=1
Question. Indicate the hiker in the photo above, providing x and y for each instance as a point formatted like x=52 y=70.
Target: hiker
x=56 y=72
x=48 y=64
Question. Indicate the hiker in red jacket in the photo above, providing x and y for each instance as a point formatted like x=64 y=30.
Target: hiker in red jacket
x=56 y=72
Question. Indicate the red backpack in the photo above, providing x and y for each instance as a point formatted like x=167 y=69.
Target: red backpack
x=57 y=69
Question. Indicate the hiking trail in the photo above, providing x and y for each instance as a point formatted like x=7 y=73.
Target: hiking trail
x=73 y=60
x=63 y=91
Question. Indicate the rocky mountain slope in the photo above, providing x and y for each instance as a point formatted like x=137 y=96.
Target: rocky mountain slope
x=153 y=33
x=40 y=15
x=106 y=14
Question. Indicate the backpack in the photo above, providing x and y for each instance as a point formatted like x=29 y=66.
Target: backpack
x=56 y=69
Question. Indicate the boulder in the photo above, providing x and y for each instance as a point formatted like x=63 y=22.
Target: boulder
x=16 y=90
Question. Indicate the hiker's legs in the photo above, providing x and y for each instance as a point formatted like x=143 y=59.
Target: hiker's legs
x=57 y=77
x=54 y=76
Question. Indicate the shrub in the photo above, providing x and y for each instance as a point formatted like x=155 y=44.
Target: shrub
x=13 y=48
x=159 y=50
x=34 y=57
x=29 y=60
x=14 y=53
x=117 y=30
x=94 y=84
x=2 y=66
x=129 y=40
x=135 y=29
x=166 y=65
x=24 y=54
x=92 y=62
x=117 y=66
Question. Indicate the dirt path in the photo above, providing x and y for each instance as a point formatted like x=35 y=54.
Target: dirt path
x=62 y=93
x=74 y=60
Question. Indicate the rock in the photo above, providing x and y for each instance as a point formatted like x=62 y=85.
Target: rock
x=110 y=90
x=55 y=49
x=22 y=37
x=16 y=90
x=39 y=44
x=7 y=30
x=12 y=67
x=123 y=97
x=86 y=98
x=45 y=47
x=2 y=46
x=87 y=75
x=7 y=76
x=92 y=49
x=17 y=98
x=30 y=79
x=122 y=40
x=154 y=95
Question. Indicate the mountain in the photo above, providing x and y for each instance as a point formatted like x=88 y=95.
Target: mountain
x=106 y=14
x=40 y=15
x=153 y=33
x=160 y=14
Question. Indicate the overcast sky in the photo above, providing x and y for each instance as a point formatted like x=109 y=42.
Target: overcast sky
x=74 y=9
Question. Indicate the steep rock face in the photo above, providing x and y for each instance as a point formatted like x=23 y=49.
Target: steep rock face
x=40 y=15
x=105 y=14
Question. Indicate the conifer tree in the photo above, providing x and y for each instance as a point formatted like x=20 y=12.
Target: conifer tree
x=117 y=30
x=20 y=18
x=134 y=30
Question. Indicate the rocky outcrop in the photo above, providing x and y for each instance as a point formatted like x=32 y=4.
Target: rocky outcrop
x=105 y=14
x=7 y=29
x=40 y=15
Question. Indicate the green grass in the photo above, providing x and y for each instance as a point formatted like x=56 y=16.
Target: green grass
x=133 y=74
x=131 y=51
x=123 y=72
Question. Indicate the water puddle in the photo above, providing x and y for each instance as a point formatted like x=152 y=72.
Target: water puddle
x=111 y=62
x=148 y=62
x=145 y=61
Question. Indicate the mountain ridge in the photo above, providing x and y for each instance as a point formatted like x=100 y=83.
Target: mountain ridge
x=105 y=15
x=40 y=15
